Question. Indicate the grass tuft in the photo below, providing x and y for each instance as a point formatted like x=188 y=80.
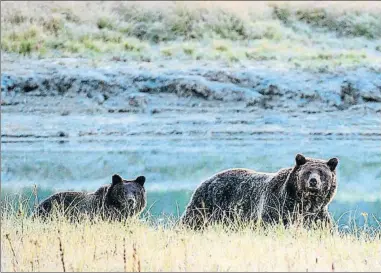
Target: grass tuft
x=104 y=23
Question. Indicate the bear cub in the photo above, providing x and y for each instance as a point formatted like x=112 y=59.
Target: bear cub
x=117 y=201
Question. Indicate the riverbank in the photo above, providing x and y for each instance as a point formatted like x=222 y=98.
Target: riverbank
x=89 y=86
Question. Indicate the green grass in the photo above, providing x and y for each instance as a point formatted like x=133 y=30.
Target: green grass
x=104 y=22
x=291 y=33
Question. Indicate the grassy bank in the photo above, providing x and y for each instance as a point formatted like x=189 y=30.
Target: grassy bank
x=148 y=245
x=307 y=35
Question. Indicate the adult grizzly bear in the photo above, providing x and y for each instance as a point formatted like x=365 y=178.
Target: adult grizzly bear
x=301 y=192
x=117 y=201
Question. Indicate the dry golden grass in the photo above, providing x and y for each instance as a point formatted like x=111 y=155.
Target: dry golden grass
x=58 y=245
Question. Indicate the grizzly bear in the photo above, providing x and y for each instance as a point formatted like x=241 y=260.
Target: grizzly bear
x=117 y=201
x=302 y=192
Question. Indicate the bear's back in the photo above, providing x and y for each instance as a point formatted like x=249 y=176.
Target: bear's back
x=63 y=200
x=232 y=186
x=240 y=176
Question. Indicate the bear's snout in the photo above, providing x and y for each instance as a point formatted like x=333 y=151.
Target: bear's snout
x=313 y=182
x=131 y=203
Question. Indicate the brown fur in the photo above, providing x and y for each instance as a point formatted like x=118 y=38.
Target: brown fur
x=285 y=196
x=119 y=200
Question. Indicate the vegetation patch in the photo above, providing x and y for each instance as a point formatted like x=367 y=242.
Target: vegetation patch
x=265 y=31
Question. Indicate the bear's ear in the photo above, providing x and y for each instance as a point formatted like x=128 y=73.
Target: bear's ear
x=332 y=163
x=300 y=160
x=116 y=179
x=140 y=180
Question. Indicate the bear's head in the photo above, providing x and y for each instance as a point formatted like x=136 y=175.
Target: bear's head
x=127 y=196
x=314 y=180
